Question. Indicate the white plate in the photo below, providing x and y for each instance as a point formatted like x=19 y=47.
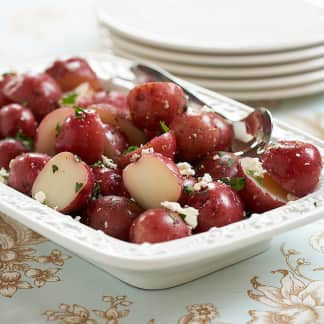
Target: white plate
x=285 y=93
x=171 y=263
x=218 y=25
x=251 y=84
x=159 y=53
x=227 y=71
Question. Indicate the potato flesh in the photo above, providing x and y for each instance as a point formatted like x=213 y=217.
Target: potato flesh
x=60 y=187
x=150 y=182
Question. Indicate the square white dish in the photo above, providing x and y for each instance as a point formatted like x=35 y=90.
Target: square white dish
x=163 y=265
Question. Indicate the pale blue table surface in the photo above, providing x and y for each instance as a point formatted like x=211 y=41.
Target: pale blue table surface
x=41 y=281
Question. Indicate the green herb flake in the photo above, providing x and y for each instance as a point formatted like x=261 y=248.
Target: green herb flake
x=183 y=216
x=97 y=164
x=230 y=163
x=78 y=186
x=24 y=102
x=79 y=112
x=185 y=109
x=188 y=189
x=235 y=183
x=164 y=126
x=130 y=149
x=28 y=142
x=315 y=203
x=57 y=129
x=54 y=168
x=96 y=192
x=69 y=99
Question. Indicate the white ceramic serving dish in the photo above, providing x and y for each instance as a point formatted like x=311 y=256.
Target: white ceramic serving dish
x=217 y=26
x=153 y=266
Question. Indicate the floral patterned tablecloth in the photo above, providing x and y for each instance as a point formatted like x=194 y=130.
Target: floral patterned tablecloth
x=41 y=282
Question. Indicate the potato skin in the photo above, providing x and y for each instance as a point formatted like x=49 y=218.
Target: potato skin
x=15 y=118
x=113 y=215
x=24 y=169
x=72 y=72
x=218 y=205
x=200 y=134
x=164 y=144
x=153 y=102
x=158 y=225
x=255 y=199
x=38 y=92
x=9 y=149
x=296 y=166
x=219 y=165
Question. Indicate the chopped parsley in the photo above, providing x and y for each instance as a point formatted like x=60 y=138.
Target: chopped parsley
x=79 y=112
x=188 y=189
x=230 y=163
x=235 y=183
x=24 y=102
x=96 y=192
x=28 y=142
x=69 y=99
x=57 y=129
x=78 y=186
x=54 y=168
x=164 y=126
x=97 y=164
x=130 y=149
x=183 y=216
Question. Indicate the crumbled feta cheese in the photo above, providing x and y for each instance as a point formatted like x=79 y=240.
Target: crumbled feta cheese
x=255 y=165
x=203 y=182
x=109 y=163
x=4 y=174
x=240 y=132
x=135 y=157
x=216 y=156
x=149 y=150
x=189 y=214
x=291 y=197
x=298 y=155
x=40 y=196
x=185 y=169
x=77 y=218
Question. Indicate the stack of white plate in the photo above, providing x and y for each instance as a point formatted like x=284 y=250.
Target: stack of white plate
x=248 y=50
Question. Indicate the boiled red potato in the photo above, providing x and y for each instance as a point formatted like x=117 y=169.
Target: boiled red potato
x=109 y=180
x=294 y=165
x=72 y=72
x=38 y=92
x=3 y=99
x=218 y=205
x=219 y=165
x=9 y=149
x=15 y=118
x=113 y=98
x=152 y=179
x=83 y=135
x=260 y=193
x=153 y=102
x=187 y=189
x=158 y=225
x=49 y=128
x=115 y=142
x=24 y=169
x=65 y=183
x=120 y=118
x=113 y=215
x=164 y=144
x=200 y=134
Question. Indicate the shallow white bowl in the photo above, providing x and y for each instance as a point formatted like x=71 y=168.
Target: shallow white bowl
x=163 y=265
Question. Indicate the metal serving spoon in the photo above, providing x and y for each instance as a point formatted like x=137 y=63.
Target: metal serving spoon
x=251 y=134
